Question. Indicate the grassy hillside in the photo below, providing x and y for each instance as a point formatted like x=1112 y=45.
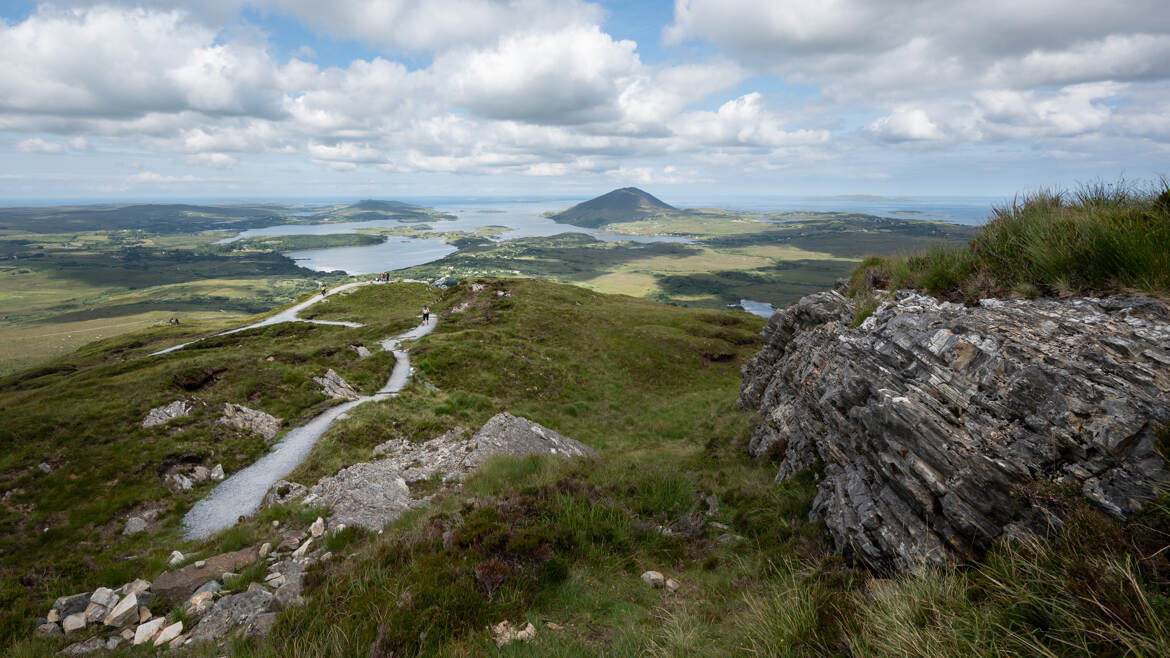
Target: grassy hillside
x=1097 y=240
x=559 y=544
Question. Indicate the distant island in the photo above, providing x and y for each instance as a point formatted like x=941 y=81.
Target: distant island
x=622 y=205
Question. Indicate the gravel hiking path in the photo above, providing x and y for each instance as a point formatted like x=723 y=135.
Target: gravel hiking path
x=243 y=492
x=287 y=315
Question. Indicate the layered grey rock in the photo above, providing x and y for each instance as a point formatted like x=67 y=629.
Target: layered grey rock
x=936 y=421
x=166 y=413
x=335 y=387
x=231 y=611
x=371 y=494
x=251 y=420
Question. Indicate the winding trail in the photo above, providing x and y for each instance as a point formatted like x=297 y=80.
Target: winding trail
x=243 y=492
x=287 y=315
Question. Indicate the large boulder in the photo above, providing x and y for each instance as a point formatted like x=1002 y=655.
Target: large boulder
x=175 y=587
x=335 y=387
x=938 y=423
x=371 y=494
x=251 y=420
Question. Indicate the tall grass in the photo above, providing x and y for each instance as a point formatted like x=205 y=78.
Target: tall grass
x=1098 y=239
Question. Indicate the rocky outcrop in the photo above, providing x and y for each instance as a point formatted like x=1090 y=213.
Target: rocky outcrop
x=335 y=387
x=166 y=413
x=251 y=420
x=231 y=611
x=371 y=494
x=938 y=423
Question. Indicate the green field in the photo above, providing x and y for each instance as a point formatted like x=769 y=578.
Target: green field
x=732 y=256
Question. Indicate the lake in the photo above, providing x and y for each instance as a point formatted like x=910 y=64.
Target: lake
x=524 y=219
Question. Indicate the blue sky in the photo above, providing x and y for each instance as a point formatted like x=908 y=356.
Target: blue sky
x=303 y=99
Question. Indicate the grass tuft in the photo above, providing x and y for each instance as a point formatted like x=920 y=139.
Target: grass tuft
x=1098 y=239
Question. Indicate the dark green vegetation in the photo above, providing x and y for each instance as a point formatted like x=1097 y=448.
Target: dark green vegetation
x=1100 y=239
x=623 y=205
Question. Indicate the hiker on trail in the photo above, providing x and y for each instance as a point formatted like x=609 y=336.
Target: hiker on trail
x=322 y=291
x=426 y=314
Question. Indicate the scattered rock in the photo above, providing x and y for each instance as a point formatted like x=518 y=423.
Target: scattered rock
x=371 y=494
x=217 y=472
x=177 y=482
x=230 y=611
x=169 y=633
x=166 y=413
x=654 y=579
x=45 y=468
x=81 y=648
x=134 y=525
x=264 y=549
x=288 y=594
x=291 y=541
x=335 y=387
x=176 y=586
x=175 y=558
x=300 y=552
x=283 y=492
x=506 y=634
x=144 y=614
x=68 y=605
x=112 y=642
x=104 y=596
x=136 y=586
x=318 y=527
x=53 y=616
x=95 y=612
x=212 y=586
x=251 y=420
x=125 y=612
x=48 y=629
x=73 y=623
x=363 y=352
x=672 y=584
x=147 y=632
x=199 y=604
x=553 y=625
x=934 y=420
x=687 y=526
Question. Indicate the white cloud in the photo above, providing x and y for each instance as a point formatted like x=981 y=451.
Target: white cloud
x=216 y=160
x=38 y=145
x=150 y=177
x=744 y=121
x=428 y=25
x=906 y=124
x=573 y=75
x=856 y=47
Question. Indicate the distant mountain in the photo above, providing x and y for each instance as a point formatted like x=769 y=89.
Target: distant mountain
x=624 y=205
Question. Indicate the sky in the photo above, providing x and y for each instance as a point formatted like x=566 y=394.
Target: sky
x=292 y=99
